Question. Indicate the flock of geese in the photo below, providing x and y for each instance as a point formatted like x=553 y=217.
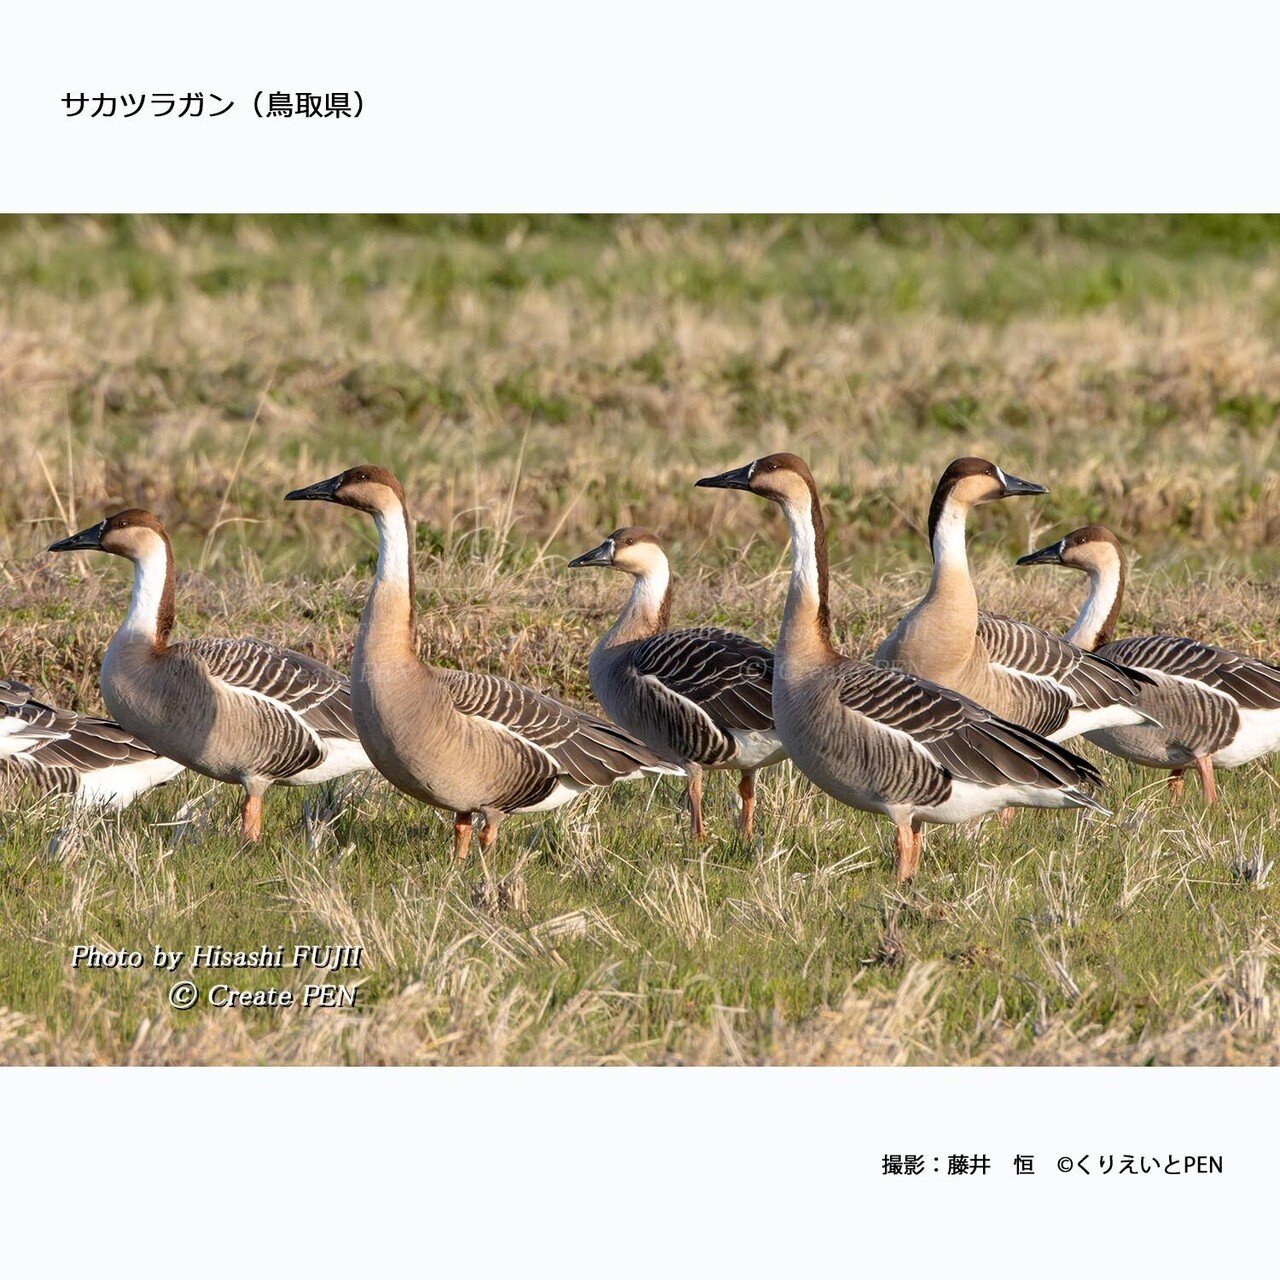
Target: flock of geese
x=959 y=714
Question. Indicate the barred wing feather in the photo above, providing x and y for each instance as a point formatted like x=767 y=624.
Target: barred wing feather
x=728 y=676
x=1252 y=684
x=963 y=738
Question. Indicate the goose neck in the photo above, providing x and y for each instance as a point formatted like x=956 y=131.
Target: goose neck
x=806 y=620
x=387 y=622
x=150 y=617
x=1096 y=623
x=648 y=608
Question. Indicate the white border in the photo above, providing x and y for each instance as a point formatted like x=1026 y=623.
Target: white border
x=696 y=105
x=614 y=1172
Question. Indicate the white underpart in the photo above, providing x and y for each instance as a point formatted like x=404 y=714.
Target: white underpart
x=341 y=756
x=120 y=784
x=1081 y=721
x=1103 y=585
x=1258 y=735
x=150 y=570
x=971 y=800
x=756 y=748
x=948 y=546
x=565 y=790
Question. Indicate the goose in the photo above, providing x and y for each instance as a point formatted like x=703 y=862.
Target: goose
x=240 y=711
x=699 y=696
x=1020 y=672
x=1215 y=708
x=61 y=752
x=462 y=741
x=877 y=738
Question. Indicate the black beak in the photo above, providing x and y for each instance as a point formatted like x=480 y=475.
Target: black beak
x=738 y=478
x=89 y=539
x=1014 y=488
x=1052 y=554
x=603 y=554
x=325 y=491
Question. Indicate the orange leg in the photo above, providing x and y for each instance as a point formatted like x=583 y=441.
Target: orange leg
x=1175 y=785
x=907 y=853
x=489 y=832
x=461 y=835
x=695 y=803
x=747 y=790
x=1204 y=767
x=251 y=819
x=1006 y=816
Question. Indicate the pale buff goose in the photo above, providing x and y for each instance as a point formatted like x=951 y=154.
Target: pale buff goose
x=1020 y=672
x=462 y=741
x=241 y=711
x=700 y=696
x=879 y=739
x=1214 y=707
x=59 y=752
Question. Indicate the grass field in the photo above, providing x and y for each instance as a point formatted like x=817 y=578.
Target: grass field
x=534 y=383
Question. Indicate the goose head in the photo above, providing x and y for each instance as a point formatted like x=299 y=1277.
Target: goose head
x=631 y=550
x=367 y=488
x=133 y=534
x=970 y=482
x=1092 y=549
x=780 y=477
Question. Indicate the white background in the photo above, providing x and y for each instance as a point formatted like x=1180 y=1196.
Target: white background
x=659 y=106
x=690 y=105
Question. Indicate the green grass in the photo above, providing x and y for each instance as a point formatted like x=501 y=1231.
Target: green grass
x=536 y=382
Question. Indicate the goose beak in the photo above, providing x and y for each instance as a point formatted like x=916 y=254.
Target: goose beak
x=89 y=539
x=603 y=554
x=1052 y=554
x=1015 y=488
x=738 y=478
x=324 y=491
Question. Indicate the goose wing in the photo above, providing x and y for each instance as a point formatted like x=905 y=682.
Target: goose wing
x=96 y=744
x=1252 y=684
x=584 y=749
x=90 y=746
x=728 y=676
x=298 y=700
x=1087 y=681
x=962 y=738
x=315 y=693
x=25 y=721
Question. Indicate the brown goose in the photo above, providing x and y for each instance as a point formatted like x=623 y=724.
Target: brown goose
x=461 y=741
x=241 y=711
x=60 y=752
x=879 y=739
x=1214 y=707
x=699 y=696
x=1016 y=670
